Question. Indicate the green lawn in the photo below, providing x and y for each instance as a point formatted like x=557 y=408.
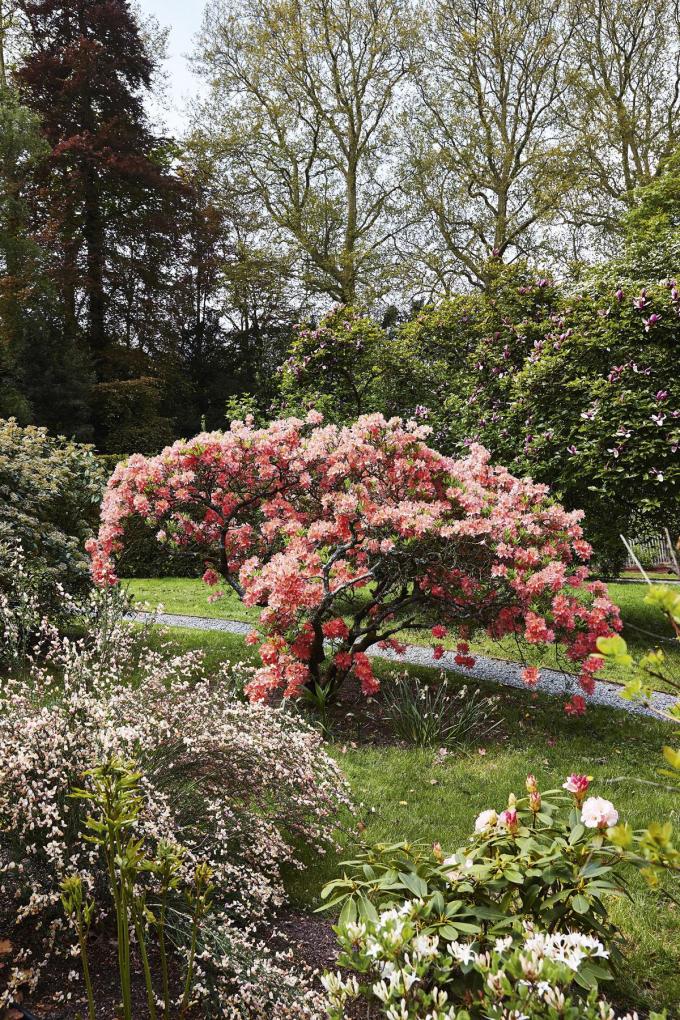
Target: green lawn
x=412 y=794
x=643 y=627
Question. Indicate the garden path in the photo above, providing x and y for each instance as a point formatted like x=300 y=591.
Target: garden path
x=499 y=671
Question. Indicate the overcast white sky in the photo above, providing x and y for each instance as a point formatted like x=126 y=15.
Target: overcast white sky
x=183 y=18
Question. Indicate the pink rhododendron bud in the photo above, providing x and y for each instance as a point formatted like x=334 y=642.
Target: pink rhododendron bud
x=509 y=820
x=535 y=801
x=598 y=813
x=437 y=852
x=486 y=820
x=531 y=784
x=577 y=785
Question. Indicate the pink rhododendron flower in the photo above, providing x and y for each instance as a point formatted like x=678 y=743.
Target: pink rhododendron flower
x=211 y=577
x=531 y=675
x=439 y=631
x=598 y=813
x=576 y=706
x=336 y=628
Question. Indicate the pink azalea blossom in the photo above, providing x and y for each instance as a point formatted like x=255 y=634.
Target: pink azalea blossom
x=301 y=515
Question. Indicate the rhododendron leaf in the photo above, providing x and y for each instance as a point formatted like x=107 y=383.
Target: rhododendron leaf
x=576 y=834
x=414 y=883
x=367 y=911
x=348 y=914
x=466 y=927
x=580 y=904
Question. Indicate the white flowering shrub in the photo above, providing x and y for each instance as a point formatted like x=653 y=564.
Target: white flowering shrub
x=236 y=785
x=405 y=974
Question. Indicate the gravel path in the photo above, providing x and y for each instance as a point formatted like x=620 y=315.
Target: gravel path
x=497 y=671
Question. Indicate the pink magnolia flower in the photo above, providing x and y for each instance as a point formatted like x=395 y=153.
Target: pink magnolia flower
x=598 y=813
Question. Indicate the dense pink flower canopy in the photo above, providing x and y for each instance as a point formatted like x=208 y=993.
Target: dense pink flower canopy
x=346 y=535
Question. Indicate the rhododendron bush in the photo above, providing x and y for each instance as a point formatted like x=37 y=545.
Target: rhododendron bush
x=232 y=783
x=345 y=536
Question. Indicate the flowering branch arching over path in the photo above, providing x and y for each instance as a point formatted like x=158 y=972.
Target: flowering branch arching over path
x=344 y=536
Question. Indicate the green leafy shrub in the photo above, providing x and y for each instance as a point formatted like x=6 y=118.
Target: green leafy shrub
x=544 y=860
x=50 y=490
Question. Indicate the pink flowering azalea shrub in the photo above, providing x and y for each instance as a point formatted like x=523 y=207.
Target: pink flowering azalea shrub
x=236 y=785
x=345 y=536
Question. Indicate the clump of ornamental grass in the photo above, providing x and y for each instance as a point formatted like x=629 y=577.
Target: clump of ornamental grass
x=237 y=786
x=437 y=715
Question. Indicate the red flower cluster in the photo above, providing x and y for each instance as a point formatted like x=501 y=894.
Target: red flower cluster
x=320 y=525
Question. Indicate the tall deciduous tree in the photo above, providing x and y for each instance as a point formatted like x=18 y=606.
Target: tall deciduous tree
x=304 y=95
x=624 y=104
x=487 y=166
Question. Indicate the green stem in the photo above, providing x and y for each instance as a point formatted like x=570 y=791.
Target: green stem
x=121 y=907
x=164 y=960
x=139 y=929
x=86 y=967
x=190 y=967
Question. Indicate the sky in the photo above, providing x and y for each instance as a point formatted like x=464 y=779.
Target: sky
x=183 y=18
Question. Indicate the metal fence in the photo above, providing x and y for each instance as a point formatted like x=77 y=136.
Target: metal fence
x=651 y=551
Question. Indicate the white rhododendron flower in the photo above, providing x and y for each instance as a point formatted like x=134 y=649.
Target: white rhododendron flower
x=486 y=820
x=598 y=813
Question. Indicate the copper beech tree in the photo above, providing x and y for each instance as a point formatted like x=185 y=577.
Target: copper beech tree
x=344 y=536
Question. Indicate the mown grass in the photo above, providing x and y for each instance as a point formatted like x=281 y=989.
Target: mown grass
x=407 y=794
x=643 y=627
